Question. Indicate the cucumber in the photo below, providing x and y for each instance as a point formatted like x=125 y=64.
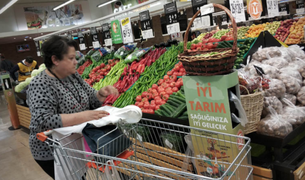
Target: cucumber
x=180 y=94
x=159 y=112
x=173 y=103
x=180 y=99
x=172 y=109
x=185 y=113
x=177 y=102
x=179 y=110
x=165 y=111
x=183 y=117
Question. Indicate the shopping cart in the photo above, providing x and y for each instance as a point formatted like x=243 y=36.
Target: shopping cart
x=158 y=150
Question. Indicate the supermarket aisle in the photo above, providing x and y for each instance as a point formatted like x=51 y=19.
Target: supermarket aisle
x=16 y=161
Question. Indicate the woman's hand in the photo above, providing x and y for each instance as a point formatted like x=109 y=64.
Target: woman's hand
x=106 y=91
x=81 y=117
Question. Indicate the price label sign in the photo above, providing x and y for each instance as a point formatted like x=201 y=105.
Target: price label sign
x=300 y=7
x=202 y=22
x=197 y=4
x=127 y=31
x=82 y=46
x=106 y=31
x=207 y=9
x=273 y=8
x=283 y=9
x=173 y=28
x=148 y=34
x=96 y=44
x=238 y=10
x=171 y=14
x=146 y=23
x=108 y=42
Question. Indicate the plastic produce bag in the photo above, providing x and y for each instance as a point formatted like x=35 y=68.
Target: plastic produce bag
x=296 y=51
x=78 y=55
x=241 y=111
x=266 y=53
x=123 y=51
x=290 y=97
x=301 y=96
x=293 y=114
x=136 y=55
x=277 y=62
x=292 y=70
x=98 y=54
x=274 y=125
x=172 y=141
x=292 y=84
x=248 y=82
x=276 y=88
x=274 y=103
x=89 y=53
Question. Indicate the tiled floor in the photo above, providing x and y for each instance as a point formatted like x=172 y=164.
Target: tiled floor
x=16 y=161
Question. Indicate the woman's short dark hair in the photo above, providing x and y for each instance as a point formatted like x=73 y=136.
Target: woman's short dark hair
x=29 y=59
x=58 y=46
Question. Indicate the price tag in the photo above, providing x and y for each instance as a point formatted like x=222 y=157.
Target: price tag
x=283 y=9
x=127 y=31
x=238 y=10
x=108 y=42
x=273 y=8
x=96 y=44
x=197 y=4
x=82 y=46
x=168 y=144
x=300 y=7
x=197 y=23
x=207 y=9
x=147 y=34
x=205 y=21
x=38 y=53
x=173 y=28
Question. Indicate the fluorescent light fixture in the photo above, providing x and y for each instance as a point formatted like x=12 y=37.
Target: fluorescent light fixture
x=62 y=5
x=7 y=6
x=104 y=4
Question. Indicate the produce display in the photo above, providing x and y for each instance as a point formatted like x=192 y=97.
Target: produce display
x=241 y=32
x=150 y=76
x=243 y=49
x=82 y=68
x=23 y=85
x=159 y=93
x=99 y=72
x=283 y=31
x=272 y=27
x=296 y=32
x=219 y=34
x=123 y=51
x=136 y=55
x=255 y=30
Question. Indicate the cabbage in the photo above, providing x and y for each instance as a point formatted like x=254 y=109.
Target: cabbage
x=42 y=66
x=25 y=83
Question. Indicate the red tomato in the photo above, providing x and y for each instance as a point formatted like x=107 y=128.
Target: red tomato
x=159 y=102
x=160 y=81
x=150 y=111
x=174 y=77
x=145 y=100
x=175 y=73
x=141 y=104
x=152 y=106
x=149 y=96
x=105 y=73
x=169 y=73
x=155 y=90
x=139 y=98
x=215 y=45
x=180 y=74
x=175 y=89
x=154 y=86
x=182 y=70
x=157 y=107
x=108 y=67
x=166 y=77
x=137 y=103
x=210 y=45
x=169 y=91
x=144 y=110
x=157 y=98
x=144 y=94
x=199 y=45
x=165 y=97
x=153 y=102
x=149 y=90
x=102 y=65
x=173 y=84
x=103 y=70
x=205 y=41
x=146 y=105
x=163 y=102
x=193 y=46
x=160 y=89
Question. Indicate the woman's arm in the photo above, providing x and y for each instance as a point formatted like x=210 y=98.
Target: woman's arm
x=81 y=117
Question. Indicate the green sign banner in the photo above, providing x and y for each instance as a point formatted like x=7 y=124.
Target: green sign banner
x=116 y=34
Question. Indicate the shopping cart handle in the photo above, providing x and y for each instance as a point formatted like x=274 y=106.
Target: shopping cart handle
x=43 y=136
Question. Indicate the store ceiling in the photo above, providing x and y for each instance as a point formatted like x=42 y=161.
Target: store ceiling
x=4 y=2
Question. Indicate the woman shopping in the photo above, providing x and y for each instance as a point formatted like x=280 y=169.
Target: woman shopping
x=59 y=97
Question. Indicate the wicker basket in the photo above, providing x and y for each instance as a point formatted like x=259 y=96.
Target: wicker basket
x=253 y=105
x=212 y=65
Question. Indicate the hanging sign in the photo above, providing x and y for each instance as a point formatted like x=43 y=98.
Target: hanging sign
x=95 y=41
x=254 y=8
x=284 y=9
x=82 y=45
x=202 y=22
x=127 y=31
x=171 y=13
x=237 y=9
x=207 y=9
x=273 y=8
x=106 y=34
x=148 y=34
x=197 y=4
x=300 y=7
x=145 y=20
x=116 y=32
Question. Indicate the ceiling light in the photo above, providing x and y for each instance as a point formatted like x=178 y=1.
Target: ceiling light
x=104 y=4
x=62 y=5
x=7 y=6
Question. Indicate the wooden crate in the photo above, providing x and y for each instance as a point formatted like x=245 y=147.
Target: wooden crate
x=299 y=174
x=260 y=173
x=24 y=116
